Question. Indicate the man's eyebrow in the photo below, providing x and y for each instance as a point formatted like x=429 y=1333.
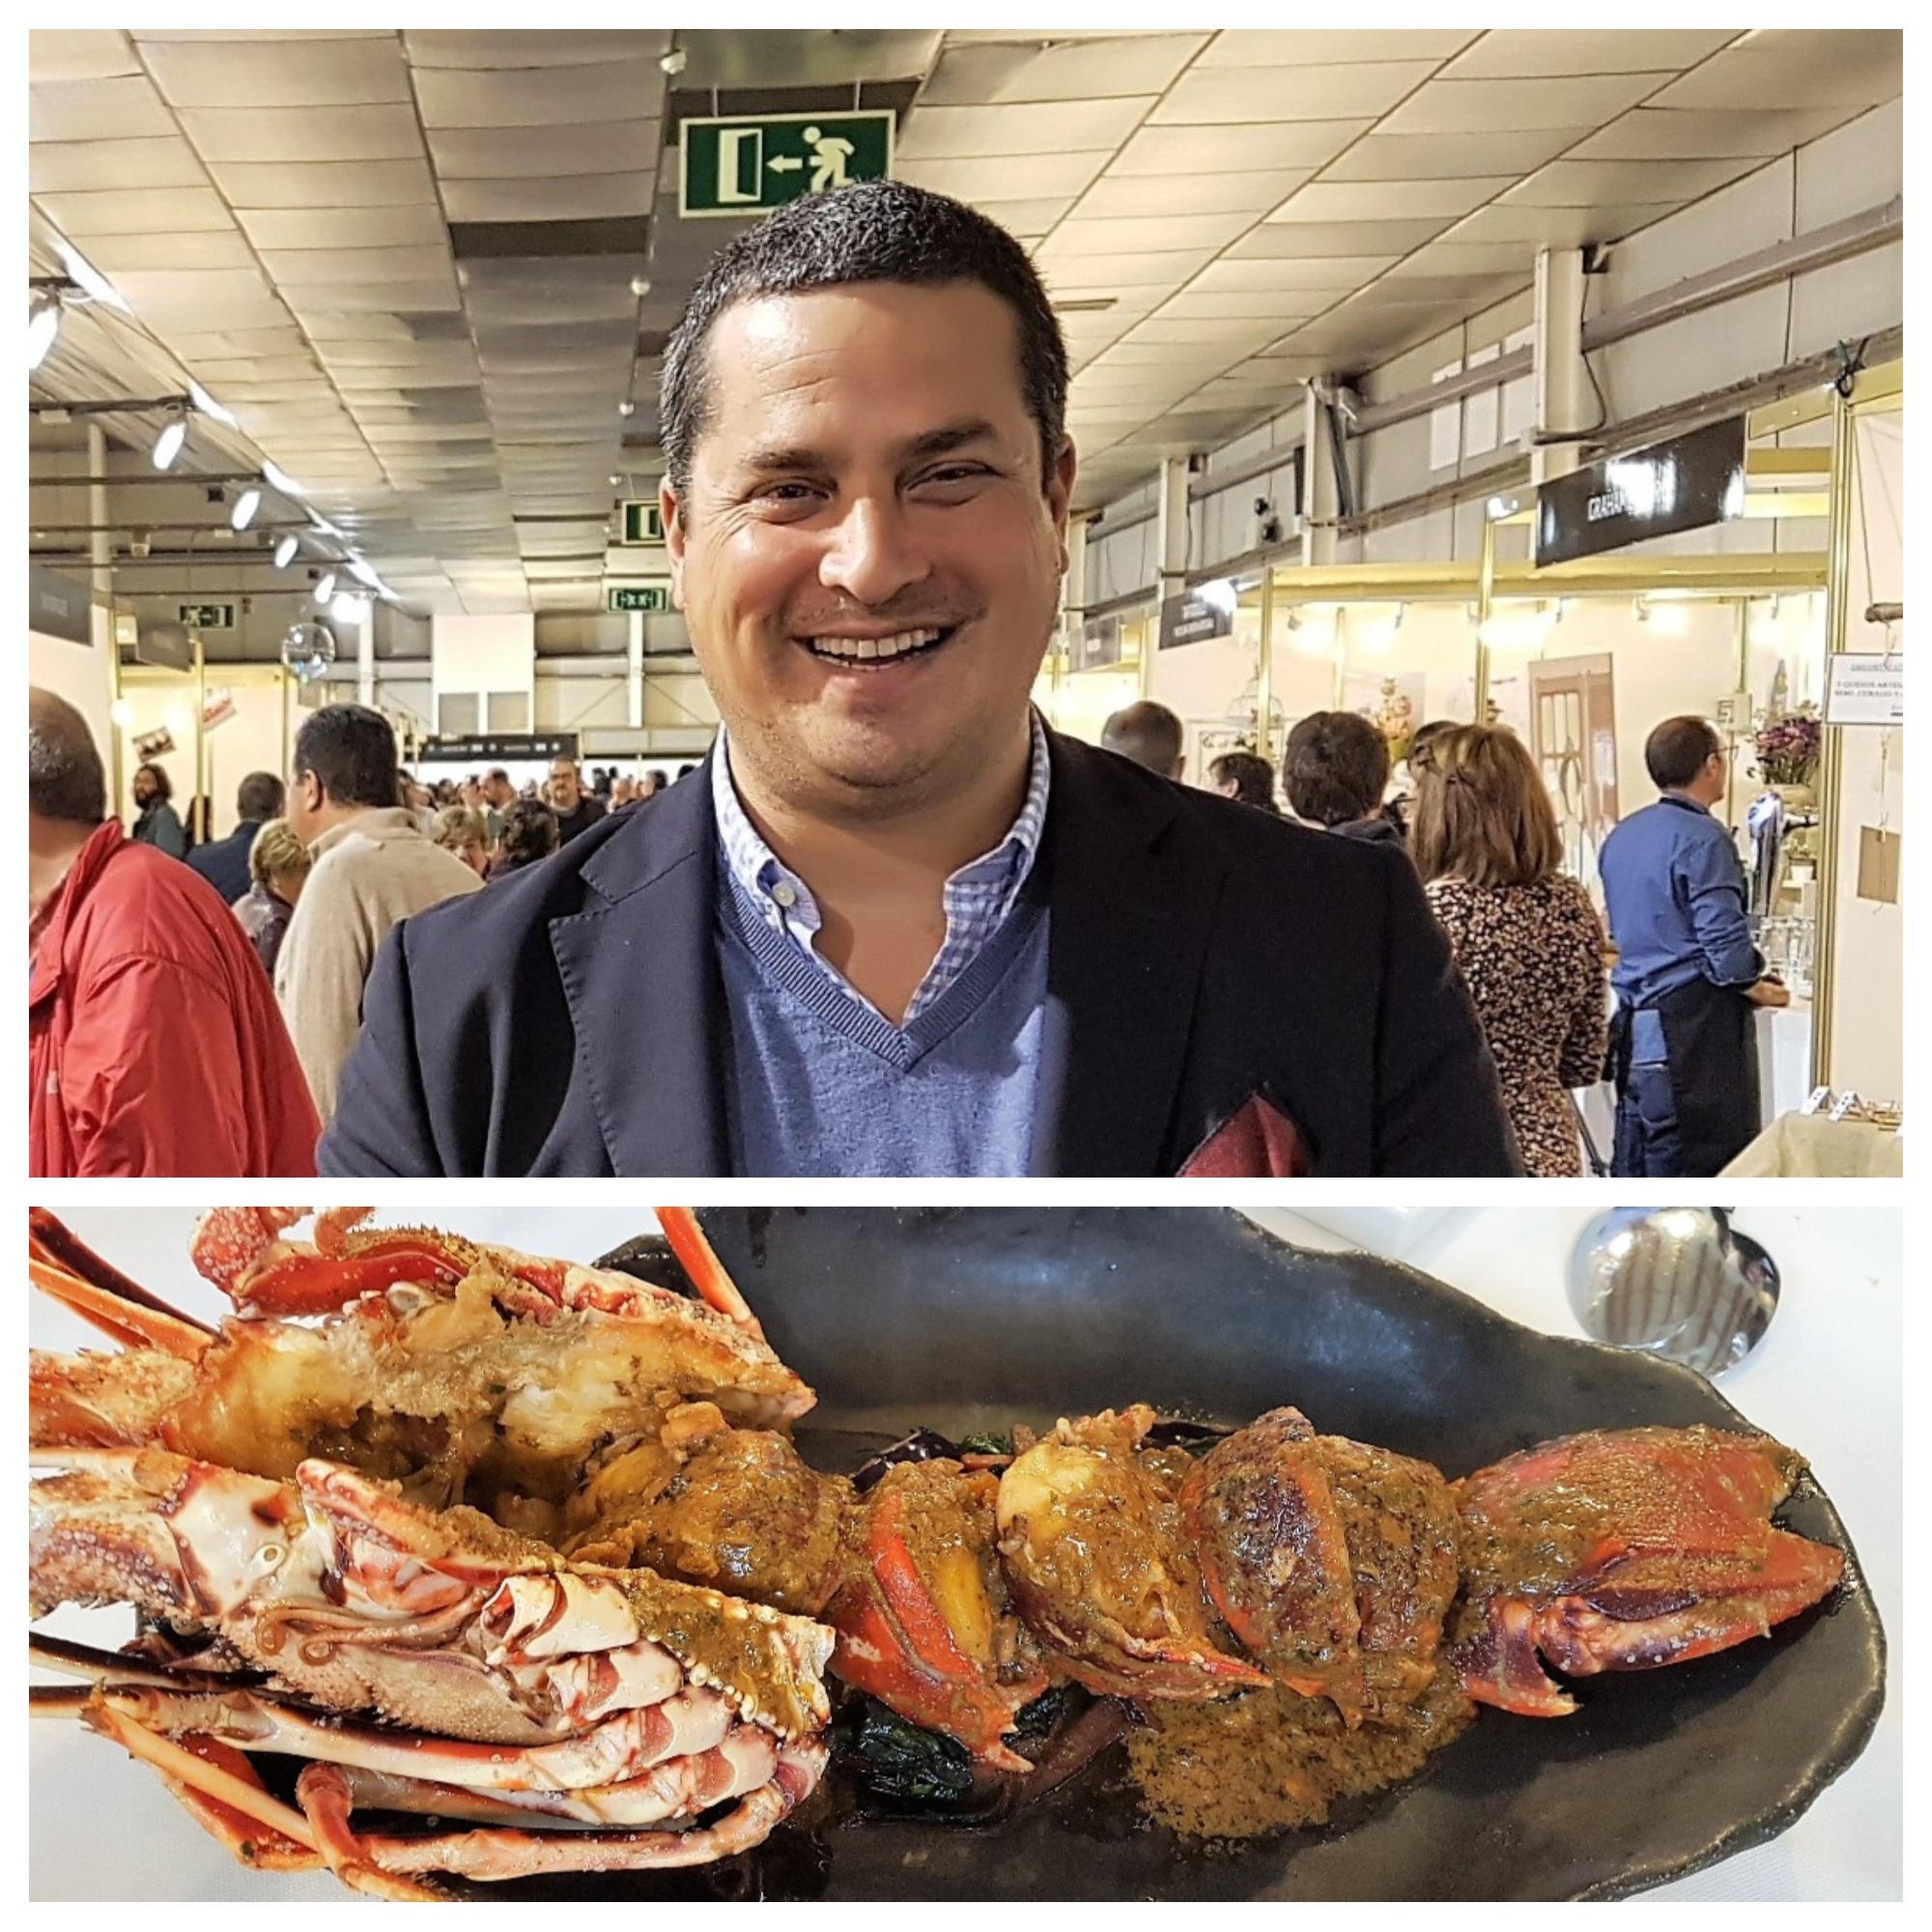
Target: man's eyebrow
x=792 y=458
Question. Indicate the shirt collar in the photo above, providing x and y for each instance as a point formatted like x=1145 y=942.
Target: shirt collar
x=757 y=869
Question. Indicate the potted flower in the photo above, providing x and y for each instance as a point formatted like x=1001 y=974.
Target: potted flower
x=1787 y=755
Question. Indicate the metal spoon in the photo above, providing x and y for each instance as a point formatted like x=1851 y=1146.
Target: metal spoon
x=1677 y=1282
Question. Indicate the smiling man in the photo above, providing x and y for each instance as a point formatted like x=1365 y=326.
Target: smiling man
x=895 y=925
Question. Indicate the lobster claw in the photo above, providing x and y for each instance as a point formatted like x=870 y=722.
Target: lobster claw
x=1626 y=1549
x=920 y=1632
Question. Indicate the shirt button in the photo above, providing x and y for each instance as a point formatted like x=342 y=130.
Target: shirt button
x=784 y=896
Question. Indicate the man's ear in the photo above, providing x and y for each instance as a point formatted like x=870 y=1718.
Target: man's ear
x=1059 y=493
x=671 y=514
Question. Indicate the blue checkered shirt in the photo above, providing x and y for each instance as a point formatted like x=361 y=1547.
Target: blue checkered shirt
x=977 y=896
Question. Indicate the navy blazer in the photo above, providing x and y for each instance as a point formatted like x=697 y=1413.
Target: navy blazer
x=1202 y=957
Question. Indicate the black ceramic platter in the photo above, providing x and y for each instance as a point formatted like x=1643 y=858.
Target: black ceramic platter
x=963 y=1319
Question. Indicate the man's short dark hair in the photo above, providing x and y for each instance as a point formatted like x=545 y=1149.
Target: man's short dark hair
x=1335 y=767
x=877 y=231
x=64 y=778
x=1148 y=733
x=1676 y=751
x=352 y=752
x=1252 y=777
x=259 y=798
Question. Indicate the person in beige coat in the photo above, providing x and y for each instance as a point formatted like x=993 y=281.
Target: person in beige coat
x=373 y=868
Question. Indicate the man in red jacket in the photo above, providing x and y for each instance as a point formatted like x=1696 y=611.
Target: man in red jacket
x=154 y=1041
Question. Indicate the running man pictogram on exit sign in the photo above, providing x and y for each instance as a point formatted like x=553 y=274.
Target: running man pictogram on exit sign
x=749 y=165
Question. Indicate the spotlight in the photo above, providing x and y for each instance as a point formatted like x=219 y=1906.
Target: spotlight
x=326 y=589
x=43 y=326
x=168 y=445
x=641 y=286
x=627 y=408
x=245 y=506
x=674 y=62
x=349 y=607
x=285 y=552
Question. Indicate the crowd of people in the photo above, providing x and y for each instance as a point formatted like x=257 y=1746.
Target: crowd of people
x=895 y=924
x=154 y=1050
x=1476 y=821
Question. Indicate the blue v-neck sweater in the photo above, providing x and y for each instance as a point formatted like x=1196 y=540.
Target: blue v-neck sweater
x=822 y=1084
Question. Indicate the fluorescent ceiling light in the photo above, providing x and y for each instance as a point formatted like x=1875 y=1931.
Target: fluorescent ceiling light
x=280 y=480
x=43 y=326
x=209 y=407
x=365 y=573
x=89 y=278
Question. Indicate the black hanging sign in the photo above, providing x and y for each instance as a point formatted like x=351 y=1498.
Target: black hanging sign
x=1194 y=619
x=527 y=745
x=1685 y=484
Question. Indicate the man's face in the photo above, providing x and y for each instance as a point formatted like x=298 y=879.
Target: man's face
x=305 y=801
x=145 y=787
x=565 y=789
x=867 y=561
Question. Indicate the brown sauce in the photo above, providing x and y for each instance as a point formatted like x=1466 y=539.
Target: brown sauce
x=1274 y=1760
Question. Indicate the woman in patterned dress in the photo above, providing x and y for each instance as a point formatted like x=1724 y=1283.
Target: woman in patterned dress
x=1527 y=938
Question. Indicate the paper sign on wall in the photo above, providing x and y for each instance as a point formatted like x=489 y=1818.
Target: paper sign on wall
x=1864 y=688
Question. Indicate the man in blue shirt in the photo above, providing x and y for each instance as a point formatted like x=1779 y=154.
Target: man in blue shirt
x=1682 y=1045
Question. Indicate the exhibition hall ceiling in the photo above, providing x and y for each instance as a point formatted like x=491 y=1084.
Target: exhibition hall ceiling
x=430 y=274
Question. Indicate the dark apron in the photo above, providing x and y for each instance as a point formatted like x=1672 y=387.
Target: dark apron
x=1699 y=1111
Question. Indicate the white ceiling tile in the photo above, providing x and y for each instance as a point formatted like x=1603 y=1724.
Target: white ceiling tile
x=1289 y=93
x=1541 y=52
x=518 y=47
x=1153 y=235
x=1068 y=70
x=116 y=255
x=1476 y=258
x=1140 y=195
x=1240 y=305
x=1167 y=271
x=270 y=228
x=1285 y=46
x=136 y=211
x=240 y=342
x=536 y=97
x=1447 y=157
x=1602 y=183
x=592 y=148
x=938 y=133
x=1478 y=107
x=78 y=53
x=1323 y=275
x=158 y=161
x=1677 y=133
x=1241 y=148
x=1811 y=69
x=1220 y=330
x=96 y=110
x=1337 y=237
x=1555 y=227
x=377 y=132
x=558 y=198
x=324 y=73
x=983 y=178
x=322 y=184
x=1325 y=201
x=300 y=266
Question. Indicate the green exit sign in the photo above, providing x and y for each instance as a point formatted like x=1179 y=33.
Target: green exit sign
x=642 y=523
x=647 y=597
x=747 y=165
x=208 y=616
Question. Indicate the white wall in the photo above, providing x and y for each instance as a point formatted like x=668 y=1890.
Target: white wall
x=481 y=655
x=82 y=674
x=1868 y=960
x=252 y=740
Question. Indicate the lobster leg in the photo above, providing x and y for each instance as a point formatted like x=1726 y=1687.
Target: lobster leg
x=707 y=1271
x=142 y=1323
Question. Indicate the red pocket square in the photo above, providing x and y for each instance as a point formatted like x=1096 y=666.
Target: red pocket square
x=1259 y=1141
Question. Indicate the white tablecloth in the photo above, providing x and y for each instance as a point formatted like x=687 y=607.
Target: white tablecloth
x=1828 y=1380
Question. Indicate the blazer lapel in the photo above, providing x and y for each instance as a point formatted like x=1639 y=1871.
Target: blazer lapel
x=640 y=972
x=1130 y=908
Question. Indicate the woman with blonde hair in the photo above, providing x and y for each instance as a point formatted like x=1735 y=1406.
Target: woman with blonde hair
x=1527 y=938
x=466 y=833
x=278 y=864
